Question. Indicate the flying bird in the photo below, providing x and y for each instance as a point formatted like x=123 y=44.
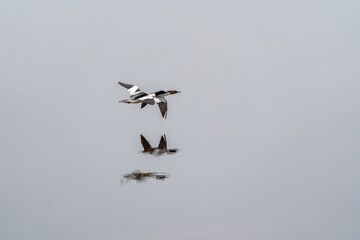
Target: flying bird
x=138 y=96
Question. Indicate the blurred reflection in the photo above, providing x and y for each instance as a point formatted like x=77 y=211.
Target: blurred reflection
x=139 y=176
x=160 y=150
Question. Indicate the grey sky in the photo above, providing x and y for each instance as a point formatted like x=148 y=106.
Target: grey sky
x=267 y=121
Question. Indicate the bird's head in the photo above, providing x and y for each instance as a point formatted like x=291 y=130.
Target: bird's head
x=173 y=91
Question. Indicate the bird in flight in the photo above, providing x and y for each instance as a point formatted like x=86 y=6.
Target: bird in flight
x=138 y=96
x=157 y=151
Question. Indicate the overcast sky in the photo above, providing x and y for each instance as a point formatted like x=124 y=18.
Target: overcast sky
x=267 y=119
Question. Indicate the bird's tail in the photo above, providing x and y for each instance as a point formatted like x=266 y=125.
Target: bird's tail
x=124 y=101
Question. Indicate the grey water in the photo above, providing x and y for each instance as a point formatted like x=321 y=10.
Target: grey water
x=266 y=127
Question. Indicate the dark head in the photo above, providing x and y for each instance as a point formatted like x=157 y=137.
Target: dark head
x=161 y=92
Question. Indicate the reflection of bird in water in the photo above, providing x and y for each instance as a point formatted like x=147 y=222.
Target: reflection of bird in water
x=138 y=96
x=160 y=150
x=143 y=176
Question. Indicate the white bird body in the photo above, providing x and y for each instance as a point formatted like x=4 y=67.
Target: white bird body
x=138 y=96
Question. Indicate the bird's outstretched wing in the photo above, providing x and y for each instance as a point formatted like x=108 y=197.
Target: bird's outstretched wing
x=162 y=143
x=145 y=101
x=132 y=89
x=146 y=145
x=162 y=103
x=143 y=104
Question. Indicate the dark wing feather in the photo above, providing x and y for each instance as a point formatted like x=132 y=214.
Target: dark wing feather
x=163 y=109
x=125 y=85
x=143 y=104
x=146 y=145
x=149 y=101
x=162 y=143
x=163 y=106
x=138 y=95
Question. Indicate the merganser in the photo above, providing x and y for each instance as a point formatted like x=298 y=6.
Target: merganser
x=138 y=96
x=160 y=150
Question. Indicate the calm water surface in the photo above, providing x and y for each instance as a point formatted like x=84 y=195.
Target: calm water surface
x=262 y=143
